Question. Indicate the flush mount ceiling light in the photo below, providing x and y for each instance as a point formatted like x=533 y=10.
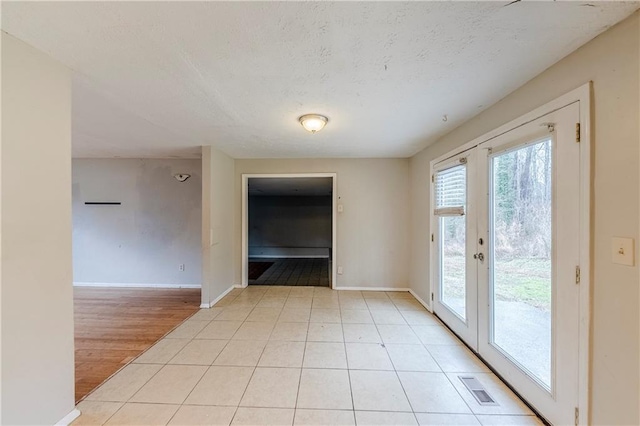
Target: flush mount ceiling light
x=181 y=177
x=313 y=122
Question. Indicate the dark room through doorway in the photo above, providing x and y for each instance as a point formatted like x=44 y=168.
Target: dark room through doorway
x=290 y=231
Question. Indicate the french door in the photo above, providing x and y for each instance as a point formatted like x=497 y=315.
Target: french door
x=506 y=245
x=454 y=219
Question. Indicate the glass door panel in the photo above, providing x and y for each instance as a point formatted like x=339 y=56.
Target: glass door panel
x=528 y=300
x=521 y=258
x=451 y=202
x=453 y=278
x=454 y=249
x=506 y=251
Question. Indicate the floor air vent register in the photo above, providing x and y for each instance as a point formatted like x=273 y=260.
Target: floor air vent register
x=477 y=390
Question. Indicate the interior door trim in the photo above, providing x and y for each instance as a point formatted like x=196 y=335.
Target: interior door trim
x=245 y=219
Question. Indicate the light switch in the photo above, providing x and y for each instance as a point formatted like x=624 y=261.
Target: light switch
x=622 y=251
x=340 y=208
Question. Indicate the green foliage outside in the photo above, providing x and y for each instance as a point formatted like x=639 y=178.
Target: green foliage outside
x=522 y=280
x=522 y=208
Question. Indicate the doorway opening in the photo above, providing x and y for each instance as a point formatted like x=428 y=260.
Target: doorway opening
x=137 y=258
x=289 y=229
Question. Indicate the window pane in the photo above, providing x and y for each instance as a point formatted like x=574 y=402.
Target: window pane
x=451 y=200
x=521 y=260
x=451 y=187
x=453 y=276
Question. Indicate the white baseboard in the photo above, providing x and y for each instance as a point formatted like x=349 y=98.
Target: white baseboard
x=422 y=302
x=66 y=420
x=206 y=305
x=372 y=288
x=135 y=285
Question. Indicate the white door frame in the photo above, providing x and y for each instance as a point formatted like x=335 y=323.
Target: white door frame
x=583 y=95
x=245 y=217
x=465 y=327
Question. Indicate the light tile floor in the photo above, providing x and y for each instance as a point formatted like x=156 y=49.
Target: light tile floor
x=304 y=356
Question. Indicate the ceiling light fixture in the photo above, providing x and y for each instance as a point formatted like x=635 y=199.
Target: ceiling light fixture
x=313 y=122
x=181 y=177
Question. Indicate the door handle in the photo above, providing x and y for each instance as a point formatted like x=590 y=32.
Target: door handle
x=479 y=256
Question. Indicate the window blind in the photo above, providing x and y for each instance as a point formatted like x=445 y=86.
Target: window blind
x=451 y=191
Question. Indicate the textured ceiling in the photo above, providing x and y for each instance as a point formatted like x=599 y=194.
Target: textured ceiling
x=292 y=187
x=160 y=79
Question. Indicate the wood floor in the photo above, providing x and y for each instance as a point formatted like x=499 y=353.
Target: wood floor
x=114 y=325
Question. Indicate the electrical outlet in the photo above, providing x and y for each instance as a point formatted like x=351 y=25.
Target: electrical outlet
x=181 y=267
x=339 y=270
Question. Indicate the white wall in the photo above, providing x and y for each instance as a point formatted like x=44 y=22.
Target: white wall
x=611 y=61
x=287 y=221
x=144 y=240
x=217 y=222
x=37 y=295
x=373 y=230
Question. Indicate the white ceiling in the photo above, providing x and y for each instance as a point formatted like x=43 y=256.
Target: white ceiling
x=160 y=79
x=293 y=187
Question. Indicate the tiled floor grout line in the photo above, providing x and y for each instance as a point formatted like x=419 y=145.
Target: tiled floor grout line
x=134 y=359
x=313 y=368
x=201 y=377
x=384 y=344
x=346 y=357
x=328 y=409
x=295 y=406
x=167 y=363
x=252 y=373
x=134 y=394
x=465 y=401
x=475 y=415
x=114 y=413
x=251 y=305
